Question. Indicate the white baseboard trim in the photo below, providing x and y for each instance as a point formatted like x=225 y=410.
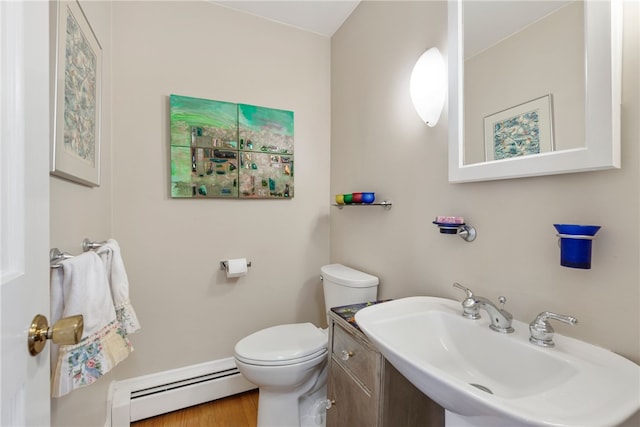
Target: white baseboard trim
x=150 y=395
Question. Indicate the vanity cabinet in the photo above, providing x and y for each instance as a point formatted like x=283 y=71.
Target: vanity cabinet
x=367 y=390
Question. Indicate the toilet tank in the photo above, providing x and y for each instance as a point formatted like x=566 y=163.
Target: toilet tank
x=344 y=285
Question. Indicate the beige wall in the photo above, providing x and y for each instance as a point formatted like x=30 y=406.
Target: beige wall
x=77 y=212
x=173 y=246
x=190 y=313
x=378 y=143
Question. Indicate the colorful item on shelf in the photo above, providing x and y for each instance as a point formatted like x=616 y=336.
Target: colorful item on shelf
x=368 y=197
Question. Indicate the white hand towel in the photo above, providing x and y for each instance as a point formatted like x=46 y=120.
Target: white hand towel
x=80 y=287
x=119 y=283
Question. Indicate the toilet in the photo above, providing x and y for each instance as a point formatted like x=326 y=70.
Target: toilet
x=288 y=362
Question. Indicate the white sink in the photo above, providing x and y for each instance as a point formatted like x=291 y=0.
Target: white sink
x=475 y=372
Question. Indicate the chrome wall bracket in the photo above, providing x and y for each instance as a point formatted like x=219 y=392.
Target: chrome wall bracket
x=465 y=231
x=88 y=245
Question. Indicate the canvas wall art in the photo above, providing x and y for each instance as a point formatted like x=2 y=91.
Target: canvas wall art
x=226 y=150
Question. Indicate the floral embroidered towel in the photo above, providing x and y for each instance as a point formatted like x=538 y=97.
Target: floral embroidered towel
x=119 y=283
x=80 y=286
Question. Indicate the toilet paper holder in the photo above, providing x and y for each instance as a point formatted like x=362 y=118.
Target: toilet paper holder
x=223 y=265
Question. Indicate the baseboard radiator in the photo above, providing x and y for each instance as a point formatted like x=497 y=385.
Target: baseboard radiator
x=150 y=395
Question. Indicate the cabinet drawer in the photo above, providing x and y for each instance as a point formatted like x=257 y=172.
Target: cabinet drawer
x=360 y=361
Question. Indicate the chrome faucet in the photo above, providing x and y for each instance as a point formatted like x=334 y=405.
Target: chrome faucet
x=501 y=319
x=542 y=331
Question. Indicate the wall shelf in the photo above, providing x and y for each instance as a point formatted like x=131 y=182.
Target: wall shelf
x=386 y=204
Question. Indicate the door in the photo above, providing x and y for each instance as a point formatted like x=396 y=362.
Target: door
x=24 y=209
x=354 y=406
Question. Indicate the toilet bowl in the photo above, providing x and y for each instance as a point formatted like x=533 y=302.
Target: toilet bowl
x=288 y=362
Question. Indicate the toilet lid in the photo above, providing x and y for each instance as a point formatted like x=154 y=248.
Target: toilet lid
x=282 y=344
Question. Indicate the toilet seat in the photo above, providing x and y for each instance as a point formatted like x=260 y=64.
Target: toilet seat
x=282 y=345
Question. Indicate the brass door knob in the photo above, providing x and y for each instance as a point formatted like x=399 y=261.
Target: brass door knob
x=64 y=332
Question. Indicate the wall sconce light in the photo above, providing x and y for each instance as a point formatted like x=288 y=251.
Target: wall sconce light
x=428 y=86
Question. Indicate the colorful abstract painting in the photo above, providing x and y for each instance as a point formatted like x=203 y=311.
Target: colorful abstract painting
x=266 y=142
x=80 y=103
x=228 y=150
x=519 y=131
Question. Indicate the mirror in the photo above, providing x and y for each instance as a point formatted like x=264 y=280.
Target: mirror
x=542 y=97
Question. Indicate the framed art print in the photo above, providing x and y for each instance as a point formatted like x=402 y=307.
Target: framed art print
x=75 y=153
x=522 y=130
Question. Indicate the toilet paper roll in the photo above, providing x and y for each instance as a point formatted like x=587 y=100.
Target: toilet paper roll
x=236 y=267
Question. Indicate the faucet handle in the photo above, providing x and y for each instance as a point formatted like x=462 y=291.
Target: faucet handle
x=502 y=300
x=466 y=290
x=542 y=331
x=470 y=309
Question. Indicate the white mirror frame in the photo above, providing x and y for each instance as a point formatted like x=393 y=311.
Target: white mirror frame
x=603 y=48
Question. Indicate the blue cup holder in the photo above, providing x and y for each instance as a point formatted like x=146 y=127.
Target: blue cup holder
x=576 y=242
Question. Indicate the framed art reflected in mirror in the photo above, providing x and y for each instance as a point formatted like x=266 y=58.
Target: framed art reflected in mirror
x=522 y=130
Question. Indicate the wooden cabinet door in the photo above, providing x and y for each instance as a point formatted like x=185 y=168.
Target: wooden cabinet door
x=353 y=406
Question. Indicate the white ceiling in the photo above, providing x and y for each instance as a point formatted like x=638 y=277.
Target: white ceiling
x=489 y=22
x=318 y=16
x=486 y=23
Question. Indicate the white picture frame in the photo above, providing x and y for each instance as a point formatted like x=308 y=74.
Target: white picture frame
x=75 y=151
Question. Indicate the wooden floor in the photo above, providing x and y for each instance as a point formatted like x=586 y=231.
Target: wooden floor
x=240 y=410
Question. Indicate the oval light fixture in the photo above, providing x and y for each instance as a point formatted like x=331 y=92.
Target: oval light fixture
x=428 y=86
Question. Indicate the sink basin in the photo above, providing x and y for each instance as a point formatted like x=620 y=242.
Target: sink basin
x=473 y=371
